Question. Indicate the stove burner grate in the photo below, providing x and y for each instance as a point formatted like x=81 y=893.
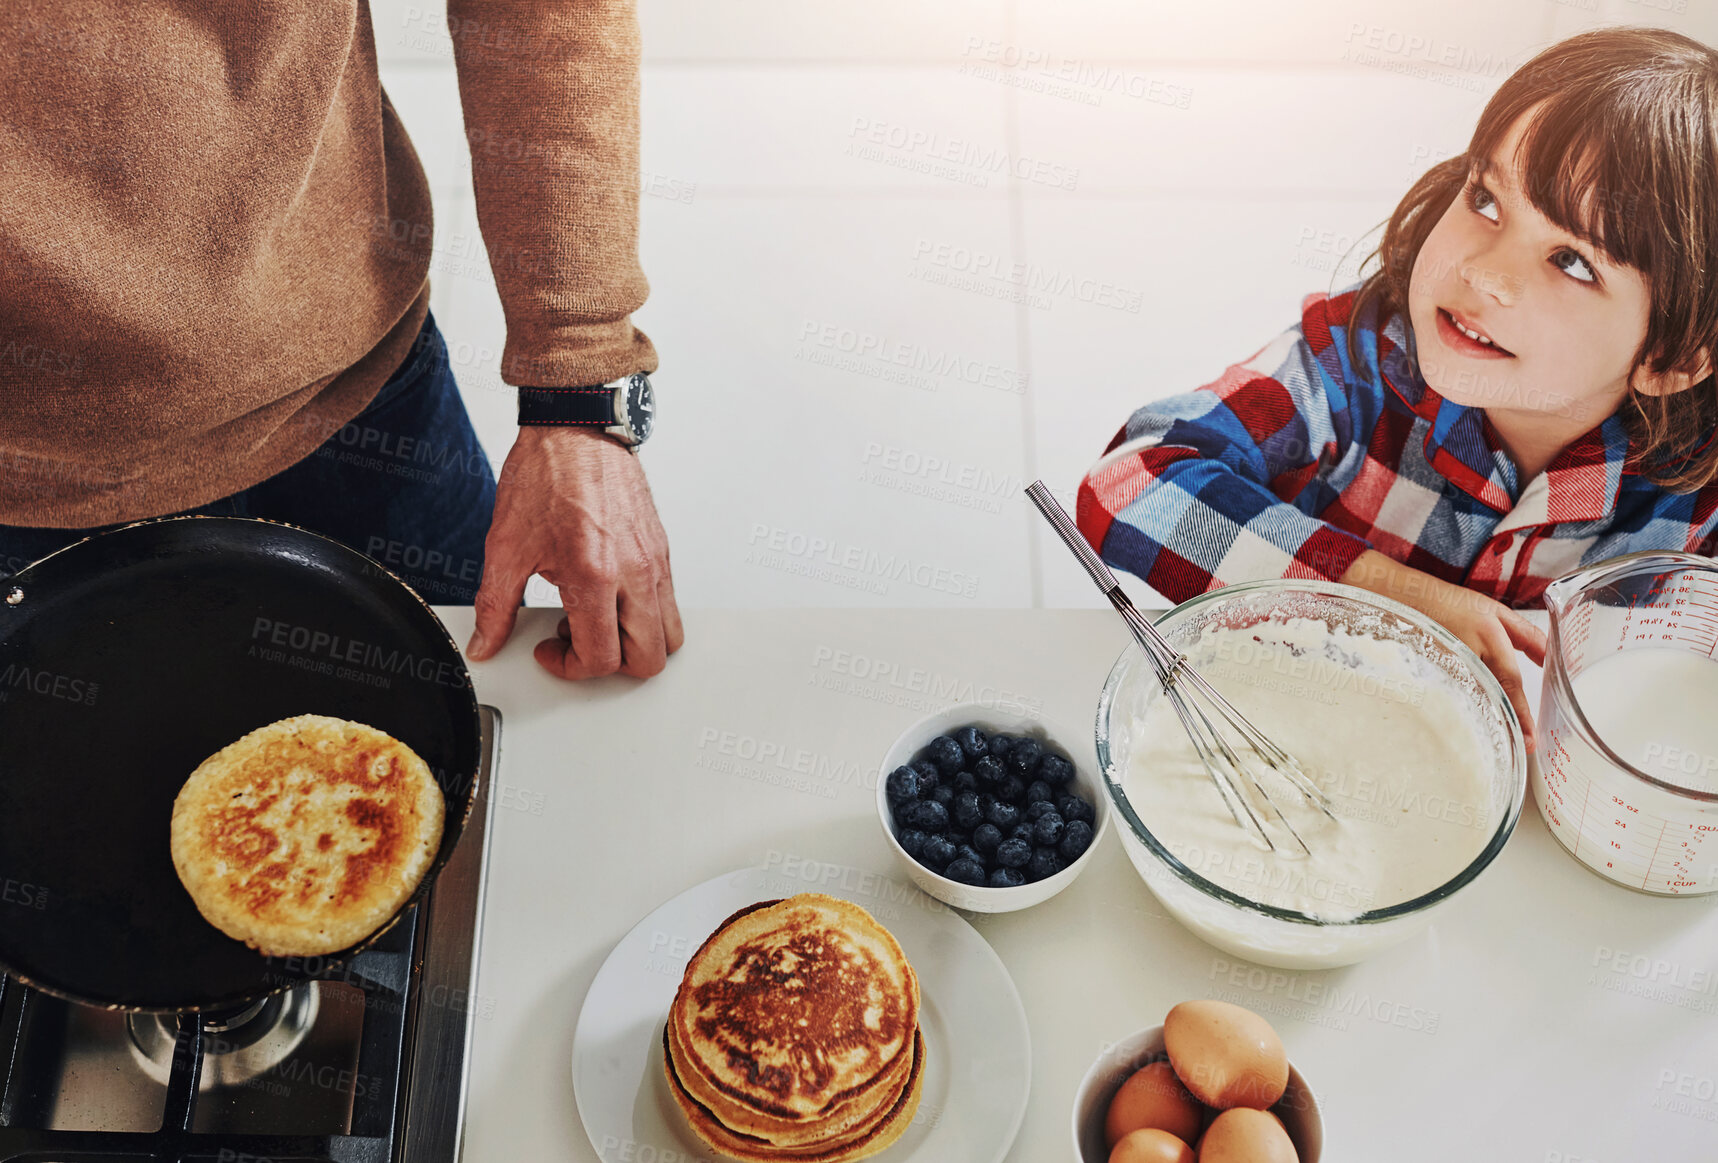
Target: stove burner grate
x=180 y=1050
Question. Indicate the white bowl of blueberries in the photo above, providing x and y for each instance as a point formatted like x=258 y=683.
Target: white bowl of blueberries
x=988 y=810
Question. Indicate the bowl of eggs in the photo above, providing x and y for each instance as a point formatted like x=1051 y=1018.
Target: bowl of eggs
x=1213 y=1084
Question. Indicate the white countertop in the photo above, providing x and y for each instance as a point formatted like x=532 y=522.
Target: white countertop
x=1548 y=1017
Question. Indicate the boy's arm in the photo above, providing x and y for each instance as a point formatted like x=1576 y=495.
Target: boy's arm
x=1195 y=492
x=1489 y=628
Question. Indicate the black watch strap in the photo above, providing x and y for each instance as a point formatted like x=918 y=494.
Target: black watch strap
x=590 y=407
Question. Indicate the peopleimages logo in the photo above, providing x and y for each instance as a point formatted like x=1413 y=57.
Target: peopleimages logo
x=23 y=894
x=958 y=159
x=335 y=650
x=1038 y=283
x=880 y=356
x=1044 y=71
x=827 y=559
x=46 y=683
x=908 y=684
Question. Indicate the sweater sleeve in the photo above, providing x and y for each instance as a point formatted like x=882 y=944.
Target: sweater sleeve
x=1222 y=484
x=550 y=93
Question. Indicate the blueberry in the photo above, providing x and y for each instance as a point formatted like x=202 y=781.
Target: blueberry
x=912 y=842
x=1047 y=830
x=1012 y=789
x=945 y=753
x=1044 y=862
x=938 y=852
x=928 y=777
x=1000 y=745
x=972 y=742
x=943 y=795
x=928 y=816
x=1040 y=792
x=967 y=813
x=1056 y=771
x=968 y=852
x=1021 y=831
x=903 y=785
x=989 y=771
x=1013 y=853
x=1072 y=808
x=1075 y=840
x=1039 y=810
x=986 y=837
x=966 y=872
x=1006 y=878
x=1003 y=815
x=964 y=780
x=1023 y=757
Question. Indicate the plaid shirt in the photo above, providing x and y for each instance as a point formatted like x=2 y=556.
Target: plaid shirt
x=1295 y=461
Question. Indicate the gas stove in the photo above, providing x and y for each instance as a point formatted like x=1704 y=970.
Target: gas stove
x=366 y=1063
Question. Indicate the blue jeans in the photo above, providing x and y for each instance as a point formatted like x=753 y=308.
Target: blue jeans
x=405 y=481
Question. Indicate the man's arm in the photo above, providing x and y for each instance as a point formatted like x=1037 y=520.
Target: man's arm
x=550 y=98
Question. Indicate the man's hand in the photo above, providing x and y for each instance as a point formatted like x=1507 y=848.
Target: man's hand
x=573 y=505
x=1489 y=628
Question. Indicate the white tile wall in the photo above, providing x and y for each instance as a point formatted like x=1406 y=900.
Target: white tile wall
x=863 y=31
x=853 y=392
x=1468 y=34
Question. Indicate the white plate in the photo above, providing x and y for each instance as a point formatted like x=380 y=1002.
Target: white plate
x=978 y=1058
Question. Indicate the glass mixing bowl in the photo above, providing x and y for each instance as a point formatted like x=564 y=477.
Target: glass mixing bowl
x=1266 y=933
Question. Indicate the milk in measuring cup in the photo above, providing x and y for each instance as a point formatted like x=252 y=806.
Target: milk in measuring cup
x=1627 y=770
x=1658 y=710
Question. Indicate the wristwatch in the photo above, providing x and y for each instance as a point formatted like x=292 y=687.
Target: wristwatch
x=624 y=409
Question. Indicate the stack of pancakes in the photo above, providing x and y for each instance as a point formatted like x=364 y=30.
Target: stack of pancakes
x=795 y=1034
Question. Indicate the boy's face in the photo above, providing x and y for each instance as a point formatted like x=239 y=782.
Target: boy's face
x=1564 y=322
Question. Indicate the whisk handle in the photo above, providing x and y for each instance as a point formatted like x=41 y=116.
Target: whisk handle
x=1070 y=533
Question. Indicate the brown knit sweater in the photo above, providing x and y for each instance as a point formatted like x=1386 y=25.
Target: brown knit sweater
x=215 y=233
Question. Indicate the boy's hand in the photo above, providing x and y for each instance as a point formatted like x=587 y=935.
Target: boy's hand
x=1489 y=628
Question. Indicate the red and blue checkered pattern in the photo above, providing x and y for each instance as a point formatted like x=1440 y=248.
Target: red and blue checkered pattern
x=1295 y=461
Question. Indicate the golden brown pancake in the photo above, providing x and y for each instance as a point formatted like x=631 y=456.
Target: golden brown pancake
x=845 y=1124
x=793 y=1011
x=893 y=1123
x=858 y=1111
x=307 y=835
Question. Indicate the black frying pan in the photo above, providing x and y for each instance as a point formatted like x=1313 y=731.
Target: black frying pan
x=134 y=655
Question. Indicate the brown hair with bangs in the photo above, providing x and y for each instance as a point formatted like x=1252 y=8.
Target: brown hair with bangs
x=1623 y=154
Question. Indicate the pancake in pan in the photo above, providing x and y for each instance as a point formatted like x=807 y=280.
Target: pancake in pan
x=307 y=835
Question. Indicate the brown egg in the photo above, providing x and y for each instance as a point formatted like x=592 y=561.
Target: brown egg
x=1153 y=1097
x=1150 y=1145
x=1227 y=1056
x=1244 y=1135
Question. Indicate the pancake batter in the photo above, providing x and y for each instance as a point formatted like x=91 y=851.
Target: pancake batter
x=1384 y=734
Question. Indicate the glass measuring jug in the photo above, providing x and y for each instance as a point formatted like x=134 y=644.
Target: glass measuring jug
x=1626 y=773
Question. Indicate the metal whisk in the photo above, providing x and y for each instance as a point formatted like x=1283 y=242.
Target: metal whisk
x=1196 y=702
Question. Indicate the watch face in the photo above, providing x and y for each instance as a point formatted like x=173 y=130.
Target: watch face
x=640 y=406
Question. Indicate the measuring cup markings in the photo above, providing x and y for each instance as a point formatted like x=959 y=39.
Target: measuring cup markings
x=1639 y=827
